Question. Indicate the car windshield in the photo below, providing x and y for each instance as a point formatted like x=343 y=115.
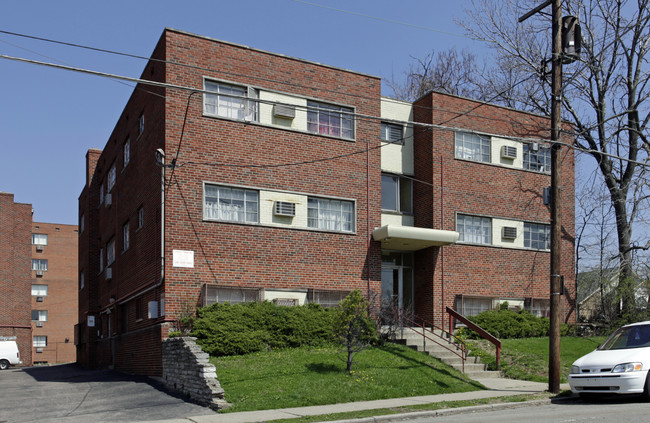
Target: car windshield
x=628 y=337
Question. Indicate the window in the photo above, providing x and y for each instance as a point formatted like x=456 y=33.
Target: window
x=221 y=295
x=230 y=101
x=82 y=223
x=472 y=147
x=127 y=152
x=110 y=252
x=474 y=229
x=330 y=215
x=473 y=306
x=101 y=260
x=111 y=178
x=537 y=236
x=39 y=342
x=538 y=160
x=101 y=194
x=39 y=239
x=39 y=315
x=39 y=290
x=396 y=194
x=539 y=307
x=125 y=236
x=141 y=125
x=326 y=298
x=391 y=132
x=230 y=204
x=82 y=280
x=140 y=218
x=39 y=264
x=330 y=120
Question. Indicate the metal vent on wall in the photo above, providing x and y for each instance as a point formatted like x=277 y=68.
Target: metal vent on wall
x=284 y=208
x=286 y=302
x=509 y=232
x=509 y=152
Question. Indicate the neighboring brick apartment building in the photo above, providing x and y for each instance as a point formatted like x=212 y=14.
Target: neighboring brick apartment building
x=15 y=277
x=54 y=292
x=293 y=182
x=38 y=281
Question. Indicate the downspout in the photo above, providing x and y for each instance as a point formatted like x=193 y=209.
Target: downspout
x=442 y=250
x=369 y=243
x=160 y=158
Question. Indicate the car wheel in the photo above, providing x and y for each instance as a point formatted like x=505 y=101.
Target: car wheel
x=646 y=388
x=4 y=364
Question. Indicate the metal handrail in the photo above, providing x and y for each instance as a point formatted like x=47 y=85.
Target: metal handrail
x=473 y=326
x=457 y=346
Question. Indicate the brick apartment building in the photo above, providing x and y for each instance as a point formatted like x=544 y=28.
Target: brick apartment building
x=54 y=292
x=274 y=178
x=15 y=276
x=38 y=280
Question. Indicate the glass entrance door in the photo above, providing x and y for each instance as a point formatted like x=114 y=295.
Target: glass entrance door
x=397 y=282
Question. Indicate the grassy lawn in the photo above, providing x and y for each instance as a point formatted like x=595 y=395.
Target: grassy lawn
x=527 y=358
x=303 y=376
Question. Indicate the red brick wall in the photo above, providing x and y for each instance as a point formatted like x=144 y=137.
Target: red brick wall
x=15 y=273
x=62 y=296
x=461 y=186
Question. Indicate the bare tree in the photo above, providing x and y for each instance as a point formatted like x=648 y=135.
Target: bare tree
x=605 y=95
x=448 y=71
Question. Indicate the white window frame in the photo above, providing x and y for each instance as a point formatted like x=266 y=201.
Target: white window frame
x=231 y=101
x=39 y=264
x=39 y=341
x=39 y=290
x=537 y=161
x=125 y=237
x=126 y=149
x=398 y=188
x=41 y=315
x=39 y=239
x=470 y=146
x=533 y=233
x=140 y=218
x=331 y=214
x=392 y=132
x=474 y=229
x=329 y=119
x=110 y=252
x=230 y=204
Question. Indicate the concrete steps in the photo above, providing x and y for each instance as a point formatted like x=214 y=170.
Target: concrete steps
x=444 y=350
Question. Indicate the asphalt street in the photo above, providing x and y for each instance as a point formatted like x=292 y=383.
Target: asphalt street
x=68 y=393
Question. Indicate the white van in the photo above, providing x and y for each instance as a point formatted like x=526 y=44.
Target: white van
x=9 y=354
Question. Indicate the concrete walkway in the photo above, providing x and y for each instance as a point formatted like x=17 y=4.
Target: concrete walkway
x=497 y=387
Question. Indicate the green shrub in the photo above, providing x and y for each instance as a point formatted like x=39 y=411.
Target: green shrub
x=236 y=329
x=509 y=324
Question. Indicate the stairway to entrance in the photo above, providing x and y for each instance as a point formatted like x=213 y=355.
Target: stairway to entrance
x=437 y=344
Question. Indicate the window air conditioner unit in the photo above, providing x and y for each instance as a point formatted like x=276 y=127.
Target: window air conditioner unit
x=508 y=232
x=39 y=324
x=39 y=299
x=108 y=273
x=39 y=273
x=39 y=350
x=509 y=152
x=284 y=111
x=39 y=248
x=284 y=208
x=108 y=200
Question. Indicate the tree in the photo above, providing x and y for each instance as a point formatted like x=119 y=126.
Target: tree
x=606 y=95
x=353 y=326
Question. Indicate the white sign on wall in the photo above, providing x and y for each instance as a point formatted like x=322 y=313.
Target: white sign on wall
x=182 y=258
x=91 y=321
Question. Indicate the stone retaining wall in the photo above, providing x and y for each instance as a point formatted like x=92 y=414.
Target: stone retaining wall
x=186 y=370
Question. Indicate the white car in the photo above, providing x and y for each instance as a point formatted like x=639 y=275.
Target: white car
x=619 y=366
x=9 y=354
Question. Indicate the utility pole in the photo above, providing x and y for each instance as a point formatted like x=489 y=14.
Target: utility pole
x=556 y=224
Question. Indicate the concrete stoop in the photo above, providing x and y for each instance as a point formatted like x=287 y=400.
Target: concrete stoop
x=474 y=368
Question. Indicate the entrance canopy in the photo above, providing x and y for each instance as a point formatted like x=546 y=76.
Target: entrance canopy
x=409 y=238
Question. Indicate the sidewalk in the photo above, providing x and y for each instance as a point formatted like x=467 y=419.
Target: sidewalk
x=497 y=387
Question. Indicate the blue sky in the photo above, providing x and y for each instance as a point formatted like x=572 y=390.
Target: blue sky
x=49 y=118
